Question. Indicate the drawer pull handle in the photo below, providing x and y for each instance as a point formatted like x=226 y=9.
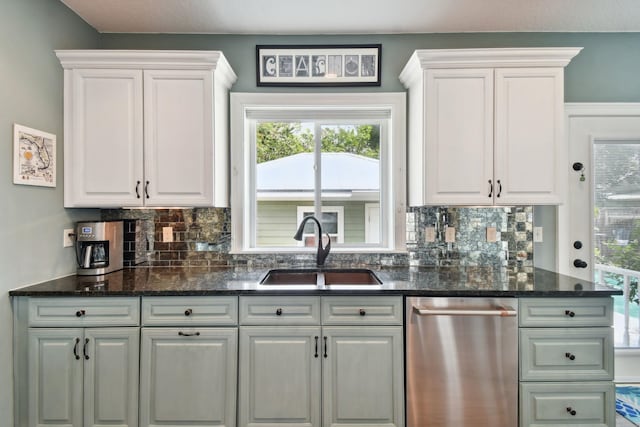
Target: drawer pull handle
x=316 y=355
x=362 y=312
x=570 y=356
x=84 y=349
x=569 y=313
x=137 y=190
x=75 y=349
x=188 y=312
x=325 y=347
x=80 y=313
x=187 y=334
x=279 y=312
x=571 y=411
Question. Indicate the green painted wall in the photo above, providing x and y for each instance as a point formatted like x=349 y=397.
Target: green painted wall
x=32 y=218
x=605 y=71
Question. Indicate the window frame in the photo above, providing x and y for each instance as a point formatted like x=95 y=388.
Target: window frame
x=393 y=160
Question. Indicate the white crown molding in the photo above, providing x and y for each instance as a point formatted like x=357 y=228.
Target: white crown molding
x=424 y=59
x=150 y=59
x=600 y=109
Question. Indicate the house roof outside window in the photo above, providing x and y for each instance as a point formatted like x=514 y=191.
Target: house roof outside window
x=344 y=175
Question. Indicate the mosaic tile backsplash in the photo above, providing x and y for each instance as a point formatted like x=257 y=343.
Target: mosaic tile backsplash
x=202 y=237
x=512 y=248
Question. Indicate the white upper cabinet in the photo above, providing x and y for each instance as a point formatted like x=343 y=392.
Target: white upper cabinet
x=486 y=126
x=146 y=128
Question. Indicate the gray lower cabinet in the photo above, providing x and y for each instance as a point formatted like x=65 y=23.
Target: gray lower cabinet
x=188 y=376
x=279 y=381
x=188 y=360
x=83 y=377
x=566 y=362
x=295 y=371
x=76 y=361
x=363 y=376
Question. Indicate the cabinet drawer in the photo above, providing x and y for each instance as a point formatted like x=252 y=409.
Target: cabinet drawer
x=81 y=312
x=356 y=310
x=566 y=312
x=563 y=354
x=295 y=310
x=565 y=404
x=178 y=311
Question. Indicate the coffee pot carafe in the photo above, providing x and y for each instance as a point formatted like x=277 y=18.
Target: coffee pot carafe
x=99 y=247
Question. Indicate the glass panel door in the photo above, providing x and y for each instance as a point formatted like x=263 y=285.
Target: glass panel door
x=616 y=229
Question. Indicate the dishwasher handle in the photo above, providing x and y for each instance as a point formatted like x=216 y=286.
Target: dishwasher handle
x=498 y=311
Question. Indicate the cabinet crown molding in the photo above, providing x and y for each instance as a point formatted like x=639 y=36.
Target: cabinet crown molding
x=424 y=59
x=150 y=59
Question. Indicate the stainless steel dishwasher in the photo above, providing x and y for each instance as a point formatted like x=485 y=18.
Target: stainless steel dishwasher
x=462 y=362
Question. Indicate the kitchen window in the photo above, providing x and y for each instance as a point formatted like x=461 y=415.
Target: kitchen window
x=340 y=157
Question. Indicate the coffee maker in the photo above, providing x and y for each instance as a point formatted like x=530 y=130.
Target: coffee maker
x=99 y=247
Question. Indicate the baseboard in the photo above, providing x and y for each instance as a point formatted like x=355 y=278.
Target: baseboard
x=627 y=362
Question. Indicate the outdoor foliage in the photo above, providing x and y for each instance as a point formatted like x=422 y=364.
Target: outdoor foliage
x=617 y=171
x=277 y=140
x=625 y=256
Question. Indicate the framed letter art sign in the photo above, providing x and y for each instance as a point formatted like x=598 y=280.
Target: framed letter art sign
x=318 y=65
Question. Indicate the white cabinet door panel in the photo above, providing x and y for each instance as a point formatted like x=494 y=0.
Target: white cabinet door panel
x=529 y=149
x=459 y=136
x=103 y=147
x=178 y=137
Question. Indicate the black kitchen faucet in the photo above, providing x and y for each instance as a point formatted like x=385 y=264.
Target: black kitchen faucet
x=322 y=252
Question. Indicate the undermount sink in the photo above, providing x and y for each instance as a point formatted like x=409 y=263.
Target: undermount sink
x=351 y=277
x=321 y=277
x=290 y=277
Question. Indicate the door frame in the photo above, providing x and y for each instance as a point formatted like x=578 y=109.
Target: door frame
x=590 y=122
x=586 y=123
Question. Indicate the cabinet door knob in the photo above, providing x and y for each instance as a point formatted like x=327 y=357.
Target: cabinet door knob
x=578 y=263
x=80 y=313
x=570 y=356
x=362 y=312
x=188 y=312
x=499 y=189
x=279 y=312
x=137 y=189
x=569 y=313
x=84 y=349
x=146 y=189
x=490 y=189
x=571 y=411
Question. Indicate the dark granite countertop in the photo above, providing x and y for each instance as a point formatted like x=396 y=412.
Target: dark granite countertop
x=416 y=281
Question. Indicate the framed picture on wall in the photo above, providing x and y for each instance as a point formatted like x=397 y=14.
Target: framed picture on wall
x=318 y=65
x=34 y=157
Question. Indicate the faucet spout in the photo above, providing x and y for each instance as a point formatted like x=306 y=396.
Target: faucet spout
x=322 y=252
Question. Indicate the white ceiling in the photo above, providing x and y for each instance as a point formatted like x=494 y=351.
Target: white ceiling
x=356 y=16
